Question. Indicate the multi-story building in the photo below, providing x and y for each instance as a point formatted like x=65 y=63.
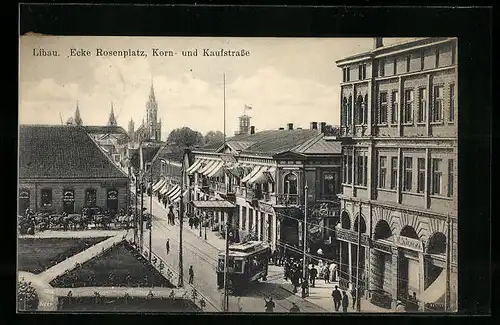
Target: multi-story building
x=265 y=174
x=62 y=170
x=399 y=187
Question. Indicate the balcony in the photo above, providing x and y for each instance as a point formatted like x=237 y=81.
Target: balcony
x=287 y=199
x=253 y=195
x=222 y=188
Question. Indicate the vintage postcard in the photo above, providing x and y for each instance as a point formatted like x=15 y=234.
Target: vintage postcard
x=238 y=175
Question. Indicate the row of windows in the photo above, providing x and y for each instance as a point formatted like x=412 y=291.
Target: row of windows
x=90 y=196
x=388 y=175
x=437 y=107
x=346 y=73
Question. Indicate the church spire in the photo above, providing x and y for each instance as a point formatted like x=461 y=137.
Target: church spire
x=112 y=119
x=78 y=119
x=152 y=92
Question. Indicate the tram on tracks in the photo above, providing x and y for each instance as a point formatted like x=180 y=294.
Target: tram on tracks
x=247 y=263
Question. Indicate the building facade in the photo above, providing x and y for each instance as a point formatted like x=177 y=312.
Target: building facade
x=399 y=187
x=61 y=169
x=112 y=140
x=265 y=175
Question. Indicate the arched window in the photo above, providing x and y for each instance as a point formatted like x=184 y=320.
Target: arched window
x=409 y=232
x=437 y=244
x=345 y=221
x=349 y=111
x=365 y=110
x=363 y=225
x=344 y=112
x=290 y=184
x=359 y=110
x=382 y=230
x=90 y=197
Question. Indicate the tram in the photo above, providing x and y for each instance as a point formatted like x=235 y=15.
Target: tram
x=247 y=263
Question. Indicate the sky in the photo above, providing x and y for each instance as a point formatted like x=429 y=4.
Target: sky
x=284 y=80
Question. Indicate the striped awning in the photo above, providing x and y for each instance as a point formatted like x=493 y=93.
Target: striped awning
x=176 y=191
x=255 y=170
x=184 y=196
x=215 y=169
x=208 y=164
x=259 y=177
x=171 y=190
x=270 y=174
x=194 y=167
x=164 y=189
x=159 y=184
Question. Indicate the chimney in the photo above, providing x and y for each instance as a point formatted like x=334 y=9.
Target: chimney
x=252 y=129
x=290 y=126
x=281 y=128
x=322 y=126
x=377 y=42
x=314 y=125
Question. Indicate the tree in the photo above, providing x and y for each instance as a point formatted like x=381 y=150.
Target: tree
x=185 y=137
x=27 y=297
x=213 y=137
x=331 y=130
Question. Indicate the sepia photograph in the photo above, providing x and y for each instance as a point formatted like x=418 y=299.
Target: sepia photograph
x=237 y=175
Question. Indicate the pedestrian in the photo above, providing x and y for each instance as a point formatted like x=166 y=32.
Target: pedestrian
x=400 y=308
x=191 y=275
x=168 y=245
x=295 y=308
x=337 y=298
x=305 y=288
x=345 y=301
x=353 y=295
x=333 y=272
x=312 y=275
x=269 y=305
x=326 y=274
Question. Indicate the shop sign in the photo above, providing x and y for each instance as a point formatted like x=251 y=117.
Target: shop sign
x=382 y=247
x=409 y=243
x=350 y=236
x=265 y=208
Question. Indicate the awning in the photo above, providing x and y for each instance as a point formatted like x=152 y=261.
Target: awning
x=159 y=184
x=259 y=177
x=235 y=169
x=172 y=190
x=178 y=198
x=197 y=164
x=175 y=193
x=213 y=204
x=255 y=170
x=215 y=169
x=208 y=164
x=436 y=290
x=270 y=174
x=164 y=188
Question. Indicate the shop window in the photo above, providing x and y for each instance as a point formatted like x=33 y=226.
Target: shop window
x=46 y=197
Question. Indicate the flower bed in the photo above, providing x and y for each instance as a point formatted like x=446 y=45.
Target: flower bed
x=35 y=255
x=119 y=266
x=126 y=304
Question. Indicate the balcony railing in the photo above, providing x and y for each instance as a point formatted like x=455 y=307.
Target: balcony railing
x=287 y=199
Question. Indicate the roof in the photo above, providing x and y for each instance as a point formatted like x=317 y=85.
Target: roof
x=105 y=129
x=276 y=141
x=60 y=152
x=323 y=146
x=147 y=153
x=213 y=204
x=170 y=152
x=211 y=147
x=239 y=145
x=394 y=47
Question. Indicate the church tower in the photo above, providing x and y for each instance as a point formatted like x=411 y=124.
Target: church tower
x=152 y=114
x=77 y=120
x=244 y=126
x=112 y=119
x=131 y=130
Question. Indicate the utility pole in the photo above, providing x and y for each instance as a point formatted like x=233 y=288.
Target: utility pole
x=141 y=219
x=304 y=236
x=358 y=309
x=150 y=210
x=180 y=284
x=136 y=211
x=226 y=292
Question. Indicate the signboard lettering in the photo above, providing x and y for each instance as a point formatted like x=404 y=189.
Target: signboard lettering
x=409 y=243
x=350 y=236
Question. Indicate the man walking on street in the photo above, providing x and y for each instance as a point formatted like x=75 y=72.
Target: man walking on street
x=353 y=295
x=167 y=246
x=337 y=298
x=191 y=275
x=312 y=275
x=345 y=301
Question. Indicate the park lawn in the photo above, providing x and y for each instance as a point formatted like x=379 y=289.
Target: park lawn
x=36 y=255
x=120 y=266
x=137 y=305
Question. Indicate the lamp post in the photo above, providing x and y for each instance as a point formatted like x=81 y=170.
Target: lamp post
x=150 y=210
x=136 y=211
x=304 y=262
x=180 y=284
x=141 y=216
x=358 y=307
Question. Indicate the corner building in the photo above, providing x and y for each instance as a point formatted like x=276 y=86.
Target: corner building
x=399 y=146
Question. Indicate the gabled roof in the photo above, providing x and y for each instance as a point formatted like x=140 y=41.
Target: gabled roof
x=170 y=152
x=105 y=129
x=276 y=141
x=62 y=152
x=147 y=153
x=211 y=147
